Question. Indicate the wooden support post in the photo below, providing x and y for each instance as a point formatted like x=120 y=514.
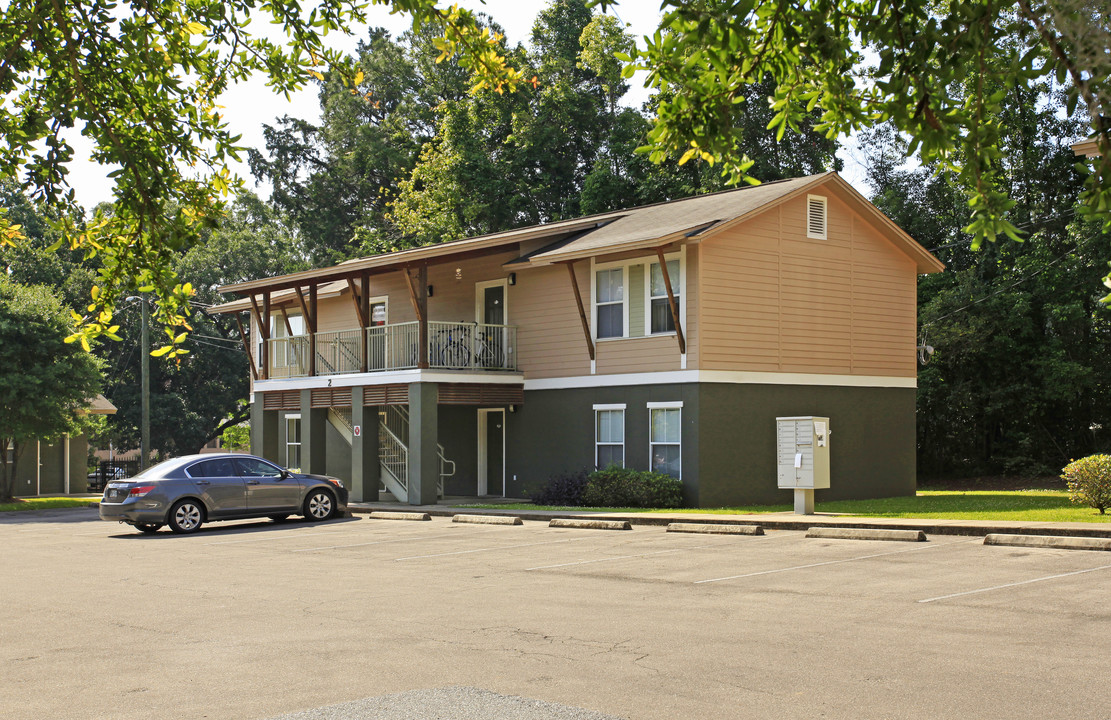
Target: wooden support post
x=312 y=330
x=364 y=302
x=264 y=371
x=285 y=318
x=246 y=346
x=582 y=312
x=671 y=301
x=418 y=295
x=361 y=314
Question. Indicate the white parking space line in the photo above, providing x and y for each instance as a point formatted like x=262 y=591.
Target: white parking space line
x=835 y=562
x=1014 y=584
x=488 y=549
x=620 y=557
x=286 y=534
x=407 y=538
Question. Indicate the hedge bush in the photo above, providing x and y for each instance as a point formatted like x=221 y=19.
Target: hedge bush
x=612 y=487
x=624 y=487
x=562 y=489
x=1089 y=481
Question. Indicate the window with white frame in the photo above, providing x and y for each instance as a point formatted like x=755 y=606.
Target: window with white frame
x=609 y=435
x=293 y=442
x=660 y=319
x=665 y=438
x=610 y=303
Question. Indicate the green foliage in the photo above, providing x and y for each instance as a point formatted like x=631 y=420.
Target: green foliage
x=625 y=487
x=141 y=81
x=1022 y=366
x=236 y=437
x=1089 y=481
x=45 y=381
x=938 y=73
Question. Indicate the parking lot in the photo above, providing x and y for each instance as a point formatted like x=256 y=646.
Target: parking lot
x=255 y=619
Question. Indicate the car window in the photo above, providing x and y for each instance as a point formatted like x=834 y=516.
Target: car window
x=221 y=467
x=253 y=467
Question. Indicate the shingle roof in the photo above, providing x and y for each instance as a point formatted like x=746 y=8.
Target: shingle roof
x=641 y=227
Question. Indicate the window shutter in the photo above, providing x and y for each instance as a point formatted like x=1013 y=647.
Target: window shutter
x=816 y=217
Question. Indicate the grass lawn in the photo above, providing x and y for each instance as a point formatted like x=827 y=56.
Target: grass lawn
x=45 y=503
x=1022 y=505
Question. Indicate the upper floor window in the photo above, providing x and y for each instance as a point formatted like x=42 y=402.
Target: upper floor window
x=660 y=319
x=610 y=303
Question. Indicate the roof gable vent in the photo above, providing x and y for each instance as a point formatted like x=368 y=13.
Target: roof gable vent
x=816 y=217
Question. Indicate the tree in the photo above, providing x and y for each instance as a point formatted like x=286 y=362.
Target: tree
x=46 y=382
x=142 y=82
x=1022 y=368
x=195 y=396
x=940 y=75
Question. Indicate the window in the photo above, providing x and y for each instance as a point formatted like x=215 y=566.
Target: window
x=609 y=435
x=660 y=318
x=293 y=442
x=253 y=467
x=610 y=303
x=816 y=217
x=219 y=468
x=665 y=438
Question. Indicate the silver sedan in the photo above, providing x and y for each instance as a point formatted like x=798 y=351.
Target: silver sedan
x=188 y=491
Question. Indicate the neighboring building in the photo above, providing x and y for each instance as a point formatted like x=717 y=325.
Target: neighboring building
x=59 y=466
x=667 y=337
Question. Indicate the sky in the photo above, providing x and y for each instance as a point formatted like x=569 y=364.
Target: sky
x=251 y=104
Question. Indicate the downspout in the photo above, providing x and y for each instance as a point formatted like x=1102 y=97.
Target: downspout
x=65 y=461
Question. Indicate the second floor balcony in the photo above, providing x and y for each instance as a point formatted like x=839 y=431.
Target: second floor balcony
x=380 y=348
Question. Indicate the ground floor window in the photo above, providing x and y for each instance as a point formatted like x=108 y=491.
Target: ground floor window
x=293 y=442
x=665 y=438
x=609 y=435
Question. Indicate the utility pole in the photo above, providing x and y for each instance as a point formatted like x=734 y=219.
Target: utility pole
x=144 y=457
x=144 y=427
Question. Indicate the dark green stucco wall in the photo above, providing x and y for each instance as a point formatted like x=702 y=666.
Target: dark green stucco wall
x=553 y=432
x=728 y=437
x=872 y=441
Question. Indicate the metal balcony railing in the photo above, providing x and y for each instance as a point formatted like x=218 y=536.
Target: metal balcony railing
x=451 y=345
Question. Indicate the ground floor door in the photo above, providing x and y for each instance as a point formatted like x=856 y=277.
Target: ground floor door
x=491 y=451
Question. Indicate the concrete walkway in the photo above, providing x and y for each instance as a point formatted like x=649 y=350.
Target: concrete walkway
x=770 y=521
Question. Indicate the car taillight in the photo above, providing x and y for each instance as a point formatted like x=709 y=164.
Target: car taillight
x=140 y=491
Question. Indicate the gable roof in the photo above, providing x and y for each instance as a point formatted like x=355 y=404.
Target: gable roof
x=648 y=226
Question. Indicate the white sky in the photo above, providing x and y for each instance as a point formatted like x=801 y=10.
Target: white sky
x=249 y=105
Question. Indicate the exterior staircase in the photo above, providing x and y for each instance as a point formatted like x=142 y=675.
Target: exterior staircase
x=393 y=450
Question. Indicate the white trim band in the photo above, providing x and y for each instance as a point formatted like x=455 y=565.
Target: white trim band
x=720 y=376
x=669 y=405
x=389 y=378
x=610 y=406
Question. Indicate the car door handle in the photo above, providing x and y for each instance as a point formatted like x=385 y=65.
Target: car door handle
x=203 y=482
x=252 y=482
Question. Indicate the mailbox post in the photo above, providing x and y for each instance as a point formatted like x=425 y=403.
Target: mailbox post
x=803 y=458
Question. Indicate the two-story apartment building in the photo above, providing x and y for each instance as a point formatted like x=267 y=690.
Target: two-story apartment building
x=664 y=337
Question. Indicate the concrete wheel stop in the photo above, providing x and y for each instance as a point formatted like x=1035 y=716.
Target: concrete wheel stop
x=836 y=533
x=393 y=515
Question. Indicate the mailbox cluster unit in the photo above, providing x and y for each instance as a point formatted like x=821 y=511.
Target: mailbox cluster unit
x=803 y=457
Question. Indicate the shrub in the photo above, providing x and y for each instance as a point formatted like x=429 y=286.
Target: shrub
x=1089 y=481
x=624 y=487
x=562 y=489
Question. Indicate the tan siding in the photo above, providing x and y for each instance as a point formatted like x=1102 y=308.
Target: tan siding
x=776 y=301
x=637 y=355
x=549 y=334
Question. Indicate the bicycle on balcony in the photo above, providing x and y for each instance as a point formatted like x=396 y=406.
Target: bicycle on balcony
x=451 y=347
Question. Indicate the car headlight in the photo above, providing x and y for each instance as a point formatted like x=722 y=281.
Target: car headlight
x=335 y=481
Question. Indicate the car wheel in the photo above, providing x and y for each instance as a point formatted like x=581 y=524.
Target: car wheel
x=278 y=518
x=319 y=505
x=186 y=516
x=148 y=528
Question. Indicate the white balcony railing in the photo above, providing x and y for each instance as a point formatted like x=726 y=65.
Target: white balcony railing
x=451 y=345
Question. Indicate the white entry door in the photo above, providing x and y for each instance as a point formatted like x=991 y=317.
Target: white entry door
x=491 y=451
